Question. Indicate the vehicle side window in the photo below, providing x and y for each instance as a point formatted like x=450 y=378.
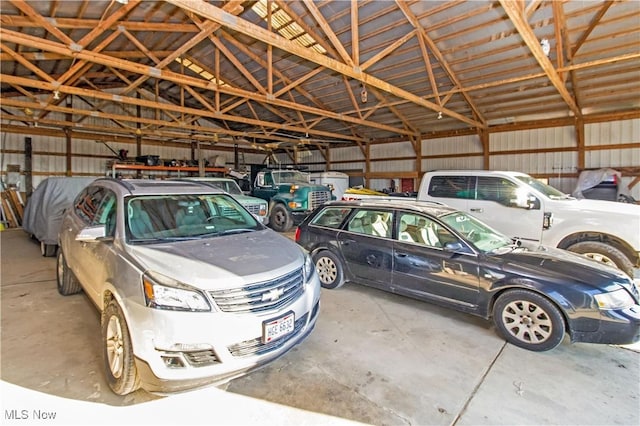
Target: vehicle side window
x=331 y=217
x=421 y=230
x=87 y=203
x=371 y=222
x=106 y=213
x=452 y=187
x=496 y=189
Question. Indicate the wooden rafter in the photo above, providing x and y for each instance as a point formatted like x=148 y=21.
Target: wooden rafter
x=413 y=20
x=515 y=15
x=218 y=15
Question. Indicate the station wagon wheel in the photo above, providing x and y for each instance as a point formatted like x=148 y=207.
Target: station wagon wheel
x=329 y=269
x=528 y=320
x=120 y=367
x=67 y=282
x=280 y=219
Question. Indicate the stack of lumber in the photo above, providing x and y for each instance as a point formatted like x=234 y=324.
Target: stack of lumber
x=11 y=208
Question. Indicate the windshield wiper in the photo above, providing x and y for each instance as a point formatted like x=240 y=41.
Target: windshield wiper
x=236 y=231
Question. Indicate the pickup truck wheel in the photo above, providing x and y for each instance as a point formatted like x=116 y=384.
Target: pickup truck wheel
x=329 y=269
x=528 y=320
x=119 y=362
x=280 y=219
x=604 y=253
x=67 y=282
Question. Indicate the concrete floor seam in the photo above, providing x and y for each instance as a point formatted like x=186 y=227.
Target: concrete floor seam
x=477 y=386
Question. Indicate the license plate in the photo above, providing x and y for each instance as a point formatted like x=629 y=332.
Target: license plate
x=276 y=328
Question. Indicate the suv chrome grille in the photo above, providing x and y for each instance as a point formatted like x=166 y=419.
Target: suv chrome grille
x=201 y=358
x=262 y=296
x=317 y=198
x=256 y=347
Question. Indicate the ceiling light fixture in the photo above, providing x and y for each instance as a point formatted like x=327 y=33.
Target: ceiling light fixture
x=363 y=94
x=56 y=95
x=439 y=115
x=546 y=47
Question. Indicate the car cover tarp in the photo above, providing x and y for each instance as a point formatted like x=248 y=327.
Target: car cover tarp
x=46 y=205
x=590 y=178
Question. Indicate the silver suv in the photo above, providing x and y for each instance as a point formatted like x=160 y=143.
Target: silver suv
x=193 y=290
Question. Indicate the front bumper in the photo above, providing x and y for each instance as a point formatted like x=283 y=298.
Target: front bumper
x=617 y=327
x=228 y=344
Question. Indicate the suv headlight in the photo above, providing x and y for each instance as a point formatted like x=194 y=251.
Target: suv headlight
x=618 y=299
x=162 y=292
x=308 y=267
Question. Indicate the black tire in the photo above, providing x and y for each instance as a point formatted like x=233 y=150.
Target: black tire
x=68 y=284
x=528 y=320
x=280 y=219
x=48 y=250
x=604 y=253
x=119 y=363
x=329 y=269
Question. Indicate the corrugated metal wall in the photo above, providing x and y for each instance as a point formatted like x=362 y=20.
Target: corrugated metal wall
x=510 y=151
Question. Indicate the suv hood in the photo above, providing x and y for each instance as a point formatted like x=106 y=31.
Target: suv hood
x=561 y=266
x=247 y=258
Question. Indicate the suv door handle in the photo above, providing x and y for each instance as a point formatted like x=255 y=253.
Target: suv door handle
x=477 y=210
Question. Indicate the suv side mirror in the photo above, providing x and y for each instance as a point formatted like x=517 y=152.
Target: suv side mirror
x=92 y=233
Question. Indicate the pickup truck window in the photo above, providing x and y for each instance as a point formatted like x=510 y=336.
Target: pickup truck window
x=452 y=187
x=496 y=189
x=547 y=190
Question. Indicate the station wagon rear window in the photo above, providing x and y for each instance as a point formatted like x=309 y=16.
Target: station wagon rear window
x=331 y=217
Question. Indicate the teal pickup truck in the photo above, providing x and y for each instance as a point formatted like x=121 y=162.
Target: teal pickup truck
x=290 y=195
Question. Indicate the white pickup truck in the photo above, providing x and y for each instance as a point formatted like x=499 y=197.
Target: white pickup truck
x=525 y=208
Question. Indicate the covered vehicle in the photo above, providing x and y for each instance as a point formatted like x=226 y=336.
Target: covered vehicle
x=602 y=184
x=45 y=207
x=535 y=294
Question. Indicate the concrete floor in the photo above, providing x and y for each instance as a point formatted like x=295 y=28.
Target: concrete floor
x=373 y=358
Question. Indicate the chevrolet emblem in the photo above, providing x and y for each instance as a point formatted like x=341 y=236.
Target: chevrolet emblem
x=273 y=295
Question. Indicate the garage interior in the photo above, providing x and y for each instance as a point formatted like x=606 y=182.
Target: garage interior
x=380 y=90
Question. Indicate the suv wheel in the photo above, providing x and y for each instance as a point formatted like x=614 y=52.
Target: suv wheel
x=280 y=219
x=119 y=363
x=604 y=253
x=67 y=282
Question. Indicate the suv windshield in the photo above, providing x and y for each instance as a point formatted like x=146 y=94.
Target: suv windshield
x=156 y=218
x=289 y=176
x=229 y=186
x=483 y=237
x=545 y=189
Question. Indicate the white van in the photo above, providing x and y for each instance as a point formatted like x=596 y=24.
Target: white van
x=525 y=208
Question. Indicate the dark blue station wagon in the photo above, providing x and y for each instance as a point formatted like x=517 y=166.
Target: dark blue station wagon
x=535 y=295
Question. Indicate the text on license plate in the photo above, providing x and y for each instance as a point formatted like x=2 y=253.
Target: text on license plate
x=274 y=329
